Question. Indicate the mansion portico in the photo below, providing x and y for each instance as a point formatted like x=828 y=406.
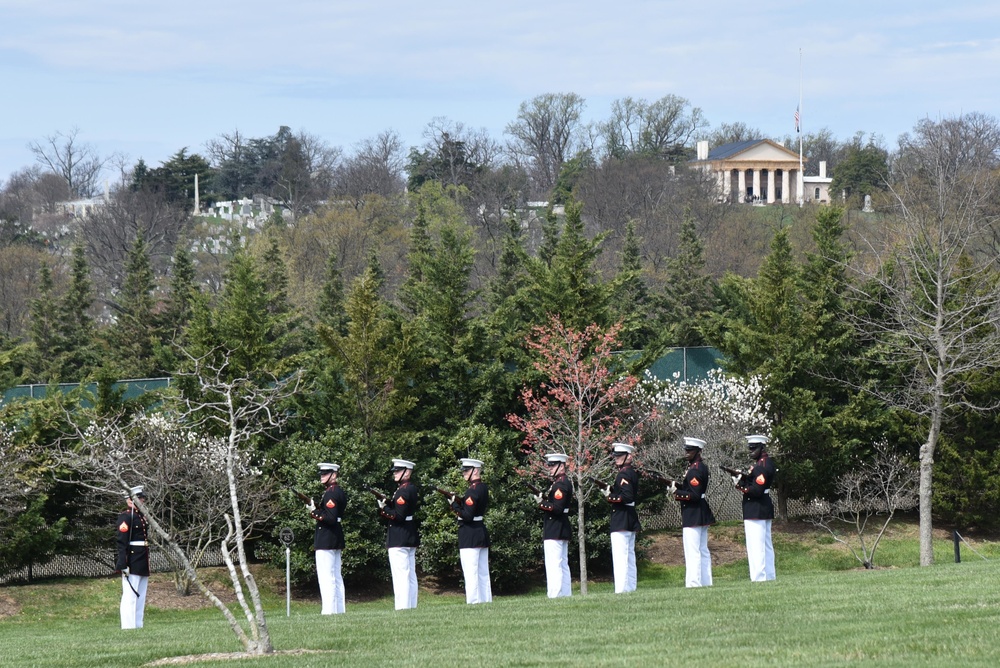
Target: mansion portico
x=760 y=171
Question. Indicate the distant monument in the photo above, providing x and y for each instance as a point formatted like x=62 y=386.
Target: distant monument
x=868 y=204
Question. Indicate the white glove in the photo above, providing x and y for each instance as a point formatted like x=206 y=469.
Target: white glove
x=452 y=499
x=126 y=572
x=736 y=480
x=311 y=506
x=538 y=498
x=381 y=503
x=607 y=492
x=673 y=487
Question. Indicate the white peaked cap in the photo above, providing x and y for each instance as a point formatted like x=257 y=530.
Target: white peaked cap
x=691 y=442
x=757 y=439
x=402 y=464
x=556 y=457
x=623 y=448
x=135 y=491
x=324 y=466
x=468 y=462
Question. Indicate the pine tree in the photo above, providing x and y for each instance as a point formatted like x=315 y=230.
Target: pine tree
x=134 y=335
x=631 y=302
x=76 y=326
x=687 y=299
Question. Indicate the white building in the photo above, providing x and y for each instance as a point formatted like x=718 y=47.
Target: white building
x=760 y=171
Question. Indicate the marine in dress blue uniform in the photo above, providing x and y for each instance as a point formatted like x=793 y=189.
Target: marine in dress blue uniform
x=329 y=539
x=132 y=560
x=696 y=516
x=625 y=525
x=758 y=509
x=402 y=536
x=473 y=537
x=556 y=530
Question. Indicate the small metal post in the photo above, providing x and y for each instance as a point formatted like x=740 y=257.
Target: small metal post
x=955 y=537
x=287 y=538
x=288 y=582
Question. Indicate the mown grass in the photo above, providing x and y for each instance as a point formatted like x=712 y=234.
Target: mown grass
x=822 y=611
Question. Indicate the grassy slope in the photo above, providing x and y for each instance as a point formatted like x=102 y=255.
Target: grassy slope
x=944 y=615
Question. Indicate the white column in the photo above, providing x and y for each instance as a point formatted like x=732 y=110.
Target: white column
x=756 y=183
x=742 y=180
x=770 y=186
x=785 y=193
x=727 y=184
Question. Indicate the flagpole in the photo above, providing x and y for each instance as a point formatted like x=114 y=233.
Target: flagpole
x=798 y=129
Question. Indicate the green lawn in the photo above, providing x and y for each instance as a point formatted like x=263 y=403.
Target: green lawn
x=945 y=615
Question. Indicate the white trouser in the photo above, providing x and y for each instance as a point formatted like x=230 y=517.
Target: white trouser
x=697 y=560
x=331 y=582
x=760 y=551
x=623 y=558
x=133 y=607
x=403 y=564
x=476 y=571
x=557 y=568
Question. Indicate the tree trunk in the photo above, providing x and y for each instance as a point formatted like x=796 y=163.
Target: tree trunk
x=926 y=491
x=582 y=540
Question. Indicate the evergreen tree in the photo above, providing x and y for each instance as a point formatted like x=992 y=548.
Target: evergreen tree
x=631 y=300
x=45 y=330
x=134 y=335
x=76 y=326
x=331 y=302
x=687 y=298
x=568 y=285
x=371 y=358
x=183 y=294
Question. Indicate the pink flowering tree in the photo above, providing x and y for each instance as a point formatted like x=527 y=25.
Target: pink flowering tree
x=585 y=402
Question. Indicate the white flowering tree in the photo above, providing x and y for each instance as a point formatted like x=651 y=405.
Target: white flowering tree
x=720 y=409
x=114 y=453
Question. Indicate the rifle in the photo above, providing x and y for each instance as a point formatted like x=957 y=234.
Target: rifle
x=531 y=488
x=658 y=477
x=446 y=493
x=302 y=497
x=381 y=496
x=735 y=473
x=599 y=483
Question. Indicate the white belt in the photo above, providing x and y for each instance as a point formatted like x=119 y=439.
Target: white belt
x=408 y=518
x=139 y=543
x=631 y=505
x=566 y=511
x=767 y=491
x=477 y=518
x=338 y=519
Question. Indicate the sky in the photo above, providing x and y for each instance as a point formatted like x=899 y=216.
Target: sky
x=145 y=79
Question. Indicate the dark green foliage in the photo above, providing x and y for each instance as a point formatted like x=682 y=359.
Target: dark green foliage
x=30 y=538
x=687 y=298
x=135 y=334
x=863 y=171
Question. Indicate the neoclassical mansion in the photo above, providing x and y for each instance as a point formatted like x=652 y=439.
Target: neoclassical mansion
x=761 y=171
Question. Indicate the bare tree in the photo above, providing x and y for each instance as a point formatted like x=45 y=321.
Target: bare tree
x=77 y=162
x=376 y=168
x=662 y=129
x=104 y=453
x=875 y=489
x=545 y=134
x=111 y=230
x=936 y=308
